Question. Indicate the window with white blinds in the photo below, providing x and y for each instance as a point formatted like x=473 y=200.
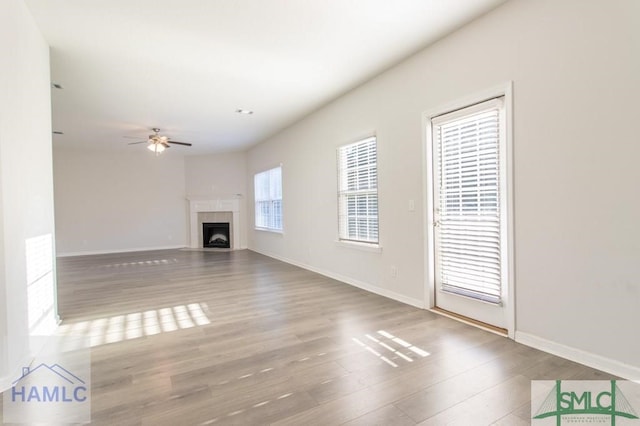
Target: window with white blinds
x=468 y=199
x=358 y=191
x=268 y=198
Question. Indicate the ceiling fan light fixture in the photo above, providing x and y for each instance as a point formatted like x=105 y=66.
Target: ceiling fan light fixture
x=155 y=147
x=157 y=143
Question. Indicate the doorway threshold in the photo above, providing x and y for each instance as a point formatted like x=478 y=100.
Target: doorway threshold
x=470 y=321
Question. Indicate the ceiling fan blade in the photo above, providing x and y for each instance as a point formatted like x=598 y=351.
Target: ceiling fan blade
x=180 y=143
x=135 y=143
x=166 y=145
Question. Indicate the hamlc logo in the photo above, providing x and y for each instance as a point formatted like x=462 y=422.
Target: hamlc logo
x=66 y=387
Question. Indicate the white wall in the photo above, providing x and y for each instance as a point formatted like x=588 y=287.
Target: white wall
x=26 y=184
x=219 y=176
x=216 y=175
x=575 y=70
x=118 y=201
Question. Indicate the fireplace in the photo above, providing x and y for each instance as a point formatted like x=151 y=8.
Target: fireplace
x=216 y=235
x=214 y=211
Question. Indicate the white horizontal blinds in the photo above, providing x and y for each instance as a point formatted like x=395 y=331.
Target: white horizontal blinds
x=468 y=214
x=358 y=191
x=268 y=198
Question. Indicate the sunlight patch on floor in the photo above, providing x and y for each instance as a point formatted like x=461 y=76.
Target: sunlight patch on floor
x=134 y=325
x=391 y=353
x=140 y=263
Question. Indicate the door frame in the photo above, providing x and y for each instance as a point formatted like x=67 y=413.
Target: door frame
x=506 y=90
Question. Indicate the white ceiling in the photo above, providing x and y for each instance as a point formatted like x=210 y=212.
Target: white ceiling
x=185 y=66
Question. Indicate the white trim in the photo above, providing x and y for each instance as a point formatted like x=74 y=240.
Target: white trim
x=365 y=135
x=417 y=303
x=112 y=251
x=268 y=168
x=506 y=90
x=358 y=245
x=589 y=359
x=493 y=103
x=511 y=225
x=272 y=230
x=427 y=209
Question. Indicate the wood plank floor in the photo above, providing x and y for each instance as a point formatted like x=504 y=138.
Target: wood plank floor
x=239 y=338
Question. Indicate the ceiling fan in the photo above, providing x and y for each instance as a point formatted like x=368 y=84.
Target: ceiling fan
x=157 y=143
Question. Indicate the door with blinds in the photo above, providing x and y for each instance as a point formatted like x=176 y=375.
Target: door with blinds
x=469 y=199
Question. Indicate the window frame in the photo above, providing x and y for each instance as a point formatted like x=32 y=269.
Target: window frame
x=273 y=198
x=366 y=195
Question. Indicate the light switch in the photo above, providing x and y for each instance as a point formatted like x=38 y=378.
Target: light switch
x=412 y=205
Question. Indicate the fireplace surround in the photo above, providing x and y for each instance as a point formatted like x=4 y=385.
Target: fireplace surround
x=214 y=211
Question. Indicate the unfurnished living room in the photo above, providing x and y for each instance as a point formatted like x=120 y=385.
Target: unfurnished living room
x=319 y=212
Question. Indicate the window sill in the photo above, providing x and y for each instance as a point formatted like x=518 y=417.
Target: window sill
x=374 y=248
x=272 y=231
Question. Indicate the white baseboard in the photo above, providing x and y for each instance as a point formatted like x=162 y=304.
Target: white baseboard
x=599 y=362
x=609 y=365
x=112 y=251
x=348 y=280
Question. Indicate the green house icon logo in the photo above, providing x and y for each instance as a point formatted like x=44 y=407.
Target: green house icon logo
x=609 y=402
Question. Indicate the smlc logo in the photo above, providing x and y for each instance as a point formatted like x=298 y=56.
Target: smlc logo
x=48 y=383
x=585 y=402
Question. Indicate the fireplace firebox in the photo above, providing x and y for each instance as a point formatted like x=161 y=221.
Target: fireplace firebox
x=216 y=235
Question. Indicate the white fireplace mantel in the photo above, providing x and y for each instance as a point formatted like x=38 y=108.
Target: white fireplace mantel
x=220 y=205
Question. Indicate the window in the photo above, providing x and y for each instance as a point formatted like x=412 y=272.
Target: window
x=358 y=191
x=268 y=196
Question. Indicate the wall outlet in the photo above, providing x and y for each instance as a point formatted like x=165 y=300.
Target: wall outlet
x=394 y=271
